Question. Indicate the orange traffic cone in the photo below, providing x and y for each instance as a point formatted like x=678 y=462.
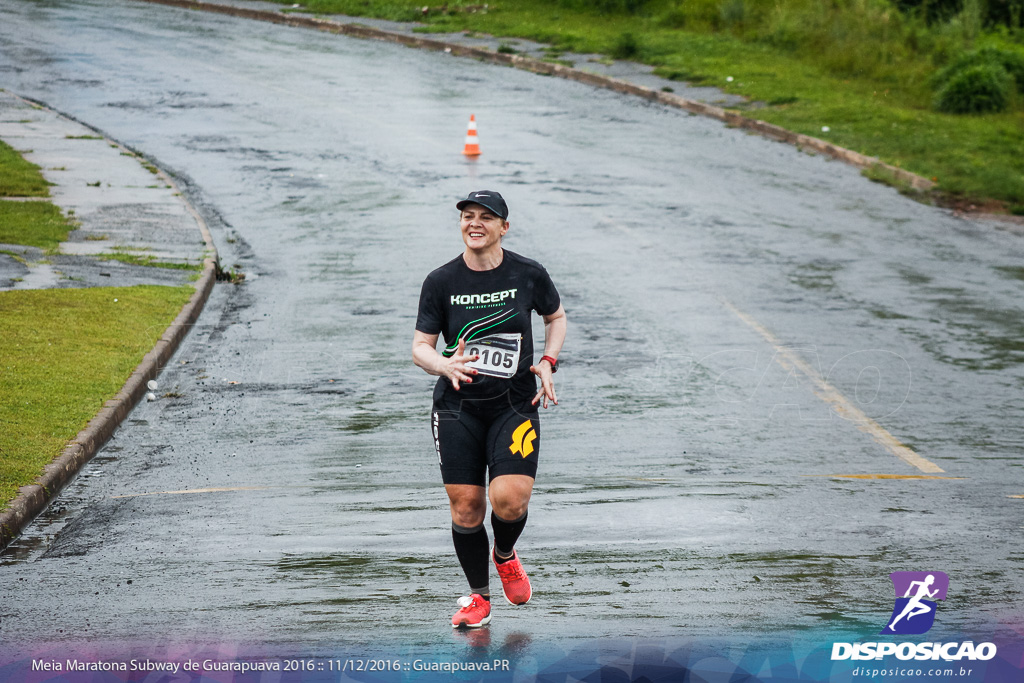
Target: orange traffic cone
x=472 y=148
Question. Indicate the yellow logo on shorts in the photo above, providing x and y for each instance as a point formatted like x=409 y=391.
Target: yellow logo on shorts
x=522 y=439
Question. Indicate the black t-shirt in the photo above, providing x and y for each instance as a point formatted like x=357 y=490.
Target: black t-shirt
x=490 y=309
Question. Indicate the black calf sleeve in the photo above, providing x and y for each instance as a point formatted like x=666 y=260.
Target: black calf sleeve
x=506 y=533
x=472 y=548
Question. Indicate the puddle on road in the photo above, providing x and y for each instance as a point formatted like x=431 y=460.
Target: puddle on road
x=316 y=563
x=885 y=314
x=1014 y=272
x=817 y=275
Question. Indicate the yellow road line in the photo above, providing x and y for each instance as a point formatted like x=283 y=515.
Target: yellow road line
x=829 y=394
x=1015 y=496
x=882 y=476
x=210 y=490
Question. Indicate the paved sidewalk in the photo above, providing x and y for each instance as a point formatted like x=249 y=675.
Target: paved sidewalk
x=125 y=207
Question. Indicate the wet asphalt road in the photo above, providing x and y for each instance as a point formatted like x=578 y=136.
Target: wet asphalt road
x=687 y=480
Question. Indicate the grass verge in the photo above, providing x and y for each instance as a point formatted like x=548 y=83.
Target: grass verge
x=870 y=90
x=20 y=178
x=33 y=224
x=66 y=352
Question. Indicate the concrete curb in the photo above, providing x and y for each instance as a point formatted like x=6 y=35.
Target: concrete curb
x=33 y=498
x=731 y=118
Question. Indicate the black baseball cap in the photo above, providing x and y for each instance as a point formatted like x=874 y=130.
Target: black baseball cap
x=487 y=199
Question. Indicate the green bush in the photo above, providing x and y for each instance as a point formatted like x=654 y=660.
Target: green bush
x=977 y=89
x=1013 y=62
x=979 y=81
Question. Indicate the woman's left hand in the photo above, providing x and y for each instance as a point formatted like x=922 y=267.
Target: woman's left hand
x=547 y=385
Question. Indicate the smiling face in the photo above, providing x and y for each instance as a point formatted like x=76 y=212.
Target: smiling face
x=482 y=229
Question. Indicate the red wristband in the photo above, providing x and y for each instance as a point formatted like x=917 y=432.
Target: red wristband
x=552 y=361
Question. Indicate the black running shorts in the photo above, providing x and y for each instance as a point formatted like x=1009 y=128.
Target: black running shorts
x=478 y=440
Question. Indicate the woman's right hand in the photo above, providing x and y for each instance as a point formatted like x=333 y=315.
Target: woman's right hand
x=455 y=367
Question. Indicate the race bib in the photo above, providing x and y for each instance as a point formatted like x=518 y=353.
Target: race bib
x=499 y=354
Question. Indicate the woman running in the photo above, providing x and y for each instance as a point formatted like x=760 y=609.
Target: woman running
x=485 y=421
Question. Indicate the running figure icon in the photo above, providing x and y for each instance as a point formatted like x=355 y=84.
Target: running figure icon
x=916 y=594
x=915 y=607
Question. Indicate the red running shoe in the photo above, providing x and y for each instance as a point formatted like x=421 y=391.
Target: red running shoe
x=474 y=612
x=515 y=584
